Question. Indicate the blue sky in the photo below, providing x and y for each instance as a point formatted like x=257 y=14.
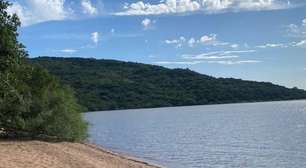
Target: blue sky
x=262 y=40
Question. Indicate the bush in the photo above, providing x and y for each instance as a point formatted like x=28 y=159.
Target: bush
x=32 y=102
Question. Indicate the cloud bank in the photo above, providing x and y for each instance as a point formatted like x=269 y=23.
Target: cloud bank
x=37 y=11
x=206 y=6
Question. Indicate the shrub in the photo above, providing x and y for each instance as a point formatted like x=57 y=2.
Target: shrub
x=32 y=102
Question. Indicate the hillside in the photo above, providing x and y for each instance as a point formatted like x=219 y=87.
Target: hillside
x=110 y=84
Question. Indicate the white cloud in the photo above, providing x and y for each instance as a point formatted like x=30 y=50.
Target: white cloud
x=239 y=51
x=205 y=57
x=210 y=39
x=293 y=28
x=147 y=23
x=178 y=62
x=112 y=30
x=16 y=8
x=261 y=4
x=206 y=6
x=95 y=37
x=178 y=42
x=69 y=51
x=171 y=41
x=273 y=45
x=215 y=55
x=37 y=11
x=164 y=7
x=229 y=62
x=191 y=42
x=301 y=44
x=88 y=7
x=297 y=30
x=234 y=45
x=223 y=62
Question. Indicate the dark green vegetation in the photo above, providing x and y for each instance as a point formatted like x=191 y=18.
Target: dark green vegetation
x=109 y=84
x=32 y=102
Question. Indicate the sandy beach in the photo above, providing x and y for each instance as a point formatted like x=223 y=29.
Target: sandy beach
x=38 y=154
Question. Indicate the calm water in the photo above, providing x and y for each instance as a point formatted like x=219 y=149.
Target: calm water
x=266 y=135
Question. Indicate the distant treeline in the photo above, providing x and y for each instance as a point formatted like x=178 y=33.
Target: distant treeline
x=110 y=84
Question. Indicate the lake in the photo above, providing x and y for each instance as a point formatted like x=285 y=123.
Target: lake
x=250 y=135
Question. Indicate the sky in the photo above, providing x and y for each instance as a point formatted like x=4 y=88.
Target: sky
x=261 y=40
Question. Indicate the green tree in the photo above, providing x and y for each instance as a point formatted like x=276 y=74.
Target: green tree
x=32 y=102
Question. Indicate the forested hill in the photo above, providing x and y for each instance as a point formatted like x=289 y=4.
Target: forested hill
x=110 y=84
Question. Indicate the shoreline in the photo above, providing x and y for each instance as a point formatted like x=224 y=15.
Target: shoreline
x=197 y=105
x=123 y=156
x=39 y=154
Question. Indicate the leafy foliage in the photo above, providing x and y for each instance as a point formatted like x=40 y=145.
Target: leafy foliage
x=109 y=84
x=32 y=102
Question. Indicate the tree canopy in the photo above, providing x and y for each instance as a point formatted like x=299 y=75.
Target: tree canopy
x=32 y=102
